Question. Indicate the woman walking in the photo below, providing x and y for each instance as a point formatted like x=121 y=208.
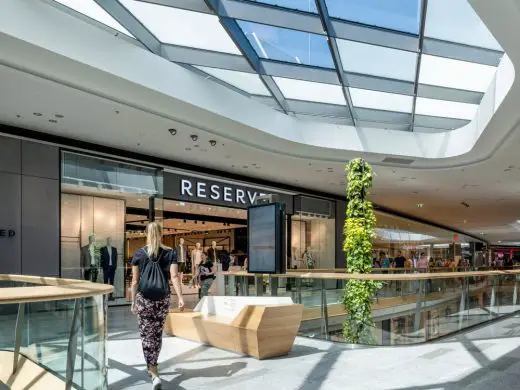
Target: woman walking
x=152 y=268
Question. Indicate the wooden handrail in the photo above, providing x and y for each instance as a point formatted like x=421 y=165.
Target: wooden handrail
x=379 y=270
x=411 y=275
x=49 y=289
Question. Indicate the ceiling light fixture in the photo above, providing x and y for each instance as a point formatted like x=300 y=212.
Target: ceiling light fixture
x=58 y=116
x=37 y=114
x=194 y=137
x=212 y=142
x=420 y=205
x=173 y=131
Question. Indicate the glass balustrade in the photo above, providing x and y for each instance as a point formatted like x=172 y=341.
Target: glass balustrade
x=408 y=309
x=66 y=337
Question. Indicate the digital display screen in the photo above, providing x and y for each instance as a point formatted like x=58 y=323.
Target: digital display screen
x=262 y=239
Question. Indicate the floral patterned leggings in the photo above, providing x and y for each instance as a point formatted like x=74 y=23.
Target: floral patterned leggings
x=151 y=316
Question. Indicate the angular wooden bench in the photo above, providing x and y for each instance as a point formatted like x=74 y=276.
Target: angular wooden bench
x=262 y=327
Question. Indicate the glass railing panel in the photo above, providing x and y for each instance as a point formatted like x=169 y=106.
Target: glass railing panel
x=56 y=332
x=408 y=311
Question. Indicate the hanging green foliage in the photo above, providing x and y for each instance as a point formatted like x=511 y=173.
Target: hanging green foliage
x=359 y=230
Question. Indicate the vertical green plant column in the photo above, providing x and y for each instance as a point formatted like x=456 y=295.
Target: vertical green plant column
x=359 y=230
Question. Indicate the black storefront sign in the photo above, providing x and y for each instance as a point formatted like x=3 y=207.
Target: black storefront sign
x=194 y=189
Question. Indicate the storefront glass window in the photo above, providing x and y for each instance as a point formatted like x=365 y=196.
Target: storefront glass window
x=97 y=197
x=396 y=236
x=313 y=234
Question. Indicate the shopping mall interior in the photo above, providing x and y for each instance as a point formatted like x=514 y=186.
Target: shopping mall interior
x=234 y=128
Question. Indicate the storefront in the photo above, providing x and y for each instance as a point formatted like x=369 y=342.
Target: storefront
x=70 y=199
x=108 y=203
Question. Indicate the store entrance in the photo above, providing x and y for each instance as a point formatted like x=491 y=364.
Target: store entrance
x=199 y=225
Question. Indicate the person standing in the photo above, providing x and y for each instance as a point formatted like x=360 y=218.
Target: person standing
x=205 y=275
x=109 y=263
x=152 y=268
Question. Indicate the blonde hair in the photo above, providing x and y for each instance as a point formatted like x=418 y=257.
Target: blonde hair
x=153 y=239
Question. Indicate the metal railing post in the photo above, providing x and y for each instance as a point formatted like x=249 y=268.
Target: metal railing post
x=299 y=290
x=324 y=309
x=72 y=346
x=18 y=335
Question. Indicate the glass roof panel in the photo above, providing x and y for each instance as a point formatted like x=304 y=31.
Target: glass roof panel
x=456 y=21
x=310 y=91
x=377 y=60
x=457 y=74
x=248 y=82
x=92 y=10
x=399 y=15
x=301 y=5
x=287 y=45
x=381 y=100
x=444 y=108
x=184 y=28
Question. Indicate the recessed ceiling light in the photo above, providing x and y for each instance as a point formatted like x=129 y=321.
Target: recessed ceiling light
x=58 y=115
x=212 y=142
x=173 y=131
x=37 y=114
x=420 y=205
x=18 y=116
x=194 y=137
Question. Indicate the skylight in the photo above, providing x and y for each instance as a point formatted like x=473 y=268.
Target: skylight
x=295 y=47
x=92 y=10
x=309 y=91
x=248 y=82
x=444 y=108
x=450 y=73
x=184 y=28
x=381 y=100
x=377 y=60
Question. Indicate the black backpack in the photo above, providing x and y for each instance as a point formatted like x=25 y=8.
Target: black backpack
x=153 y=283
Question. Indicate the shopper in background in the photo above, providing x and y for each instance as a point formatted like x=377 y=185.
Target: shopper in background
x=152 y=268
x=205 y=275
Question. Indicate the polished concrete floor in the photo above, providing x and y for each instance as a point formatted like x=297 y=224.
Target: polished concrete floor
x=484 y=358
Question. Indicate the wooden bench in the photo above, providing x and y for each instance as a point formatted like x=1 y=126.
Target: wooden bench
x=262 y=327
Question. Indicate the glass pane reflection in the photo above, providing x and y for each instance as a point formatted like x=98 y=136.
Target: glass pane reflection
x=300 y=5
x=288 y=45
x=400 y=15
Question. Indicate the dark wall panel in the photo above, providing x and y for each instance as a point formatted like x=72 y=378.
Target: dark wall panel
x=40 y=160
x=341 y=208
x=10 y=220
x=40 y=226
x=10 y=156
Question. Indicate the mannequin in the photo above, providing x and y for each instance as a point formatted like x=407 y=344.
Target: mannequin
x=89 y=260
x=109 y=263
x=307 y=258
x=196 y=257
x=213 y=252
x=182 y=256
